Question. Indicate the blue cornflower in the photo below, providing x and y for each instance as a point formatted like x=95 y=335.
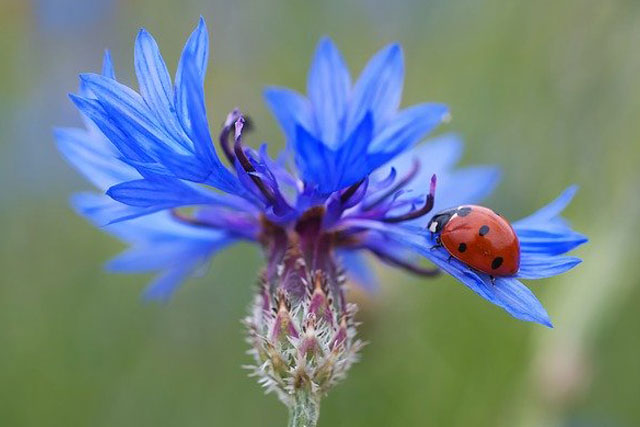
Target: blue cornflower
x=361 y=182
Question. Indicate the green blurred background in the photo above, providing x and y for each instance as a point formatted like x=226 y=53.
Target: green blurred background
x=549 y=90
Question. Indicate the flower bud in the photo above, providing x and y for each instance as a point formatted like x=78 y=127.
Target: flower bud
x=301 y=331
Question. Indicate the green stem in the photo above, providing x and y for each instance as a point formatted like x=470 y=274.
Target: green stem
x=305 y=410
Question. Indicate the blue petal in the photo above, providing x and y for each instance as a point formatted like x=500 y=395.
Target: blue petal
x=159 y=227
x=465 y=186
x=352 y=163
x=102 y=210
x=541 y=267
x=184 y=166
x=195 y=52
x=107 y=66
x=408 y=127
x=545 y=242
x=545 y=232
x=291 y=110
x=155 y=83
x=93 y=157
x=435 y=156
x=378 y=89
x=328 y=88
x=164 y=286
x=124 y=118
x=191 y=89
x=312 y=157
x=333 y=170
x=151 y=257
x=455 y=187
x=160 y=243
x=508 y=293
x=198 y=46
x=168 y=251
x=163 y=193
x=550 y=211
x=517 y=300
x=130 y=148
x=130 y=113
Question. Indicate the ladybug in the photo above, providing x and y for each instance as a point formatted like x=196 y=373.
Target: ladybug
x=478 y=237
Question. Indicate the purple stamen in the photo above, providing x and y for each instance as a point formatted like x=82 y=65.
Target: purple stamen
x=412 y=268
x=246 y=163
x=344 y=197
x=425 y=209
x=232 y=117
x=415 y=168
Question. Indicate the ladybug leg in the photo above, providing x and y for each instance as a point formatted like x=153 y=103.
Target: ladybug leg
x=450 y=258
x=493 y=279
x=437 y=245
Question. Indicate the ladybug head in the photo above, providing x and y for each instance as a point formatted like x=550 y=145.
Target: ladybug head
x=441 y=219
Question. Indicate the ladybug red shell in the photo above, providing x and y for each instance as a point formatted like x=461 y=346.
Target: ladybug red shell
x=480 y=238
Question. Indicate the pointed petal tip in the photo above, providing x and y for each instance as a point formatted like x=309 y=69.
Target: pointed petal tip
x=394 y=48
x=141 y=36
x=440 y=109
x=569 y=193
x=571 y=263
x=90 y=78
x=572 y=189
x=541 y=318
x=107 y=65
x=144 y=39
x=143 y=32
x=201 y=27
x=325 y=41
x=110 y=266
x=78 y=101
x=393 y=52
x=56 y=132
x=327 y=47
x=268 y=91
x=271 y=91
x=117 y=220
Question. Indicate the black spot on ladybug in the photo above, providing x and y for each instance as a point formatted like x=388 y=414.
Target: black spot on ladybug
x=483 y=230
x=464 y=211
x=462 y=247
x=497 y=262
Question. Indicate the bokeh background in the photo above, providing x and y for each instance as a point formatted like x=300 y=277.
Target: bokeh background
x=548 y=90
